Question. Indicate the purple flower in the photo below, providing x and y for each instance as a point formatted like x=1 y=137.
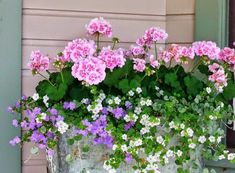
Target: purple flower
x=105 y=111
x=10 y=109
x=50 y=152
x=69 y=105
x=53 y=111
x=24 y=124
x=128 y=105
x=128 y=157
x=15 y=141
x=18 y=104
x=24 y=97
x=15 y=123
x=118 y=113
x=129 y=125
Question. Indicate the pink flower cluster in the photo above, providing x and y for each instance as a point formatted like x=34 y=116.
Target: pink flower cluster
x=78 y=49
x=228 y=55
x=218 y=76
x=99 y=26
x=91 y=70
x=139 y=64
x=137 y=50
x=152 y=35
x=177 y=52
x=154 y=62
x=206 y=48
x=112 y=58
x=38 y=62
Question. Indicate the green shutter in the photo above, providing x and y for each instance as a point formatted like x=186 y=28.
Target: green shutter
x=10 y=81
x=211 y=21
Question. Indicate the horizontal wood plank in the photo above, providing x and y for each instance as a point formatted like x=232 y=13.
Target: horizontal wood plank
x=179 y=7
x=152 y=7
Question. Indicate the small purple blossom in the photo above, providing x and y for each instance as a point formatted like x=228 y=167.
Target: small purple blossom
x=53 y=111
x=128 y=105
x=24 y=97
x=129 y=125
x=10 y=109
x=15 y=141
x=128 y=158
x=118 y=113
x=15 y=123
x=24 y=124
x=105 y=111
x=18 y=104
x=69 y=105
x=50 y=152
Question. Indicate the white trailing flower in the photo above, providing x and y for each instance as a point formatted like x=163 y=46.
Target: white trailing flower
x=231 y=156
x=221 y=157
x=117 y=100
x=110 y=101
x=138 y=90
x=190 y=132
x=124 y=148
x=202 y=139
x=35 y=96
x=114 y=147
x=160 y=140
x=124 y=137
x=62 y=126
x=192 y=145
x=131 y=93
x=182 y=126
x=172 y=125
x=208 y=90
x=212 y=139
x=170 y=153
x=45 y=100
x=149 y=102
x=179 y=153
x=138 y=110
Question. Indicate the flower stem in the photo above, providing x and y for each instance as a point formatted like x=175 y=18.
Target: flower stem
x=98 y=43
x=155 y=49
x=196 y=65
x=62 y=76
x=47 y=79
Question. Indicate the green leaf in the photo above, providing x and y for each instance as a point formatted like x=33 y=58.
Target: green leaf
x=229 y=91
x=70 y=141
x=56 y=93
x=124 y=85
x=171 y=79
x=68 y=78
x=194 y=86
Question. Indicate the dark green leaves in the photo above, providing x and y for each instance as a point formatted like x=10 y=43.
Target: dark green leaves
x=194 y=86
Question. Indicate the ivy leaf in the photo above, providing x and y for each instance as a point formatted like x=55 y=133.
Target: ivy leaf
x=68 y=78
x=56 y=93
x=42 y=87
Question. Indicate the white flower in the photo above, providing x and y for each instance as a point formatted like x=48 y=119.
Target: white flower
x=45 y=99
x=142 y=102
x=160 y=140
x=231 y=156
x=35 y=96
x=102 y=96
x=208 y=90
x=172 y=125
x=124 y=137
x=221 y=104
x=192 y=145
x=182 y=126
x=138 y=90
x=131 y=93
x=137 y=110
x=211 y=117
x=149 y=102
x=110 y=101
x=114 y=147
x=190 y=132
x=117 y=100
x=157 y=88
x=161 y=92
x=221 y=157
x=219 y=139
x=106 y=166
x=202 y=139
x=124 y=148
x=138 y=142
x=170 y=153
x=211 y=139
x=84 y=100
x=182 y=133
x=62 y=126
x=144 y=130
x=179 y=153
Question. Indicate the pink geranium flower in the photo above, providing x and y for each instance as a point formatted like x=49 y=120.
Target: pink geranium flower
x=112 y=58
x=139 y=64
x=78 y=49
x=38 y=62
x=99 y=26
x=91 y=70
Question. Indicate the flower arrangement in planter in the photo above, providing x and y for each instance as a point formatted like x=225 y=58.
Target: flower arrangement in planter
x=134 y=101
